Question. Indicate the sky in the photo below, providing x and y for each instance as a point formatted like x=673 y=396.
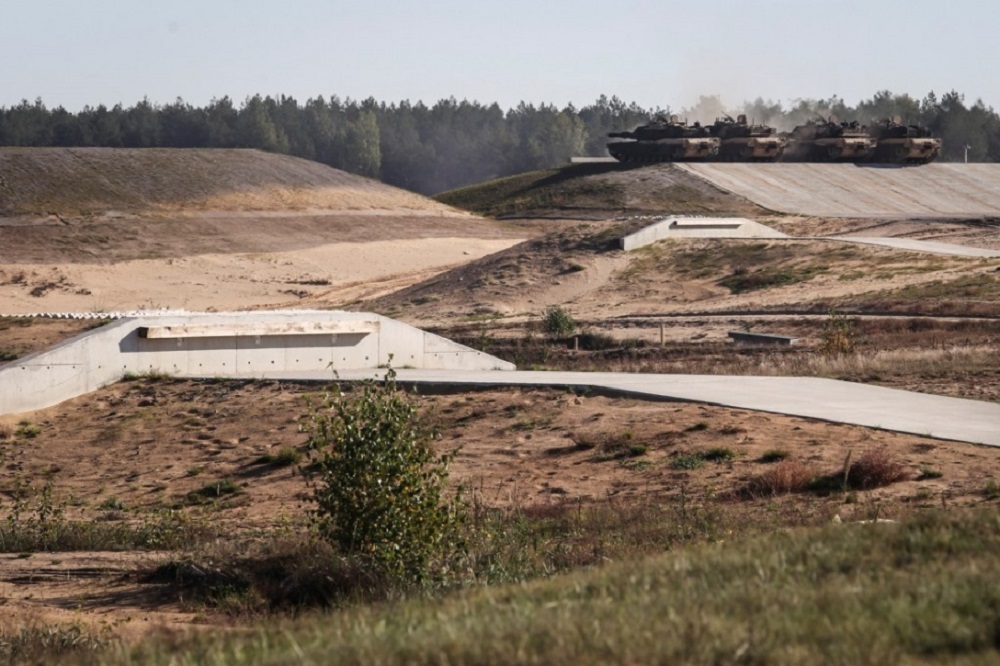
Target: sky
x=658 y=53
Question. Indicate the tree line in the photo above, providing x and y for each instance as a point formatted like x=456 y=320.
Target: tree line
x=430 y=149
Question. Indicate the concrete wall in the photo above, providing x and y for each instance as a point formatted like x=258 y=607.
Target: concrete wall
x=250 y=344
x=698 y=227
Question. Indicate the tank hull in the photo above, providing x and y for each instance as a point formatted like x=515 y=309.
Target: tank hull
x=907 y=151
x=752 y=149
x=664 y=150
x=839 y=149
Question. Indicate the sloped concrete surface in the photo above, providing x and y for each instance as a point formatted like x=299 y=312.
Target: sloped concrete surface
x=920 y=246
x=824 y=399
x=846 y=190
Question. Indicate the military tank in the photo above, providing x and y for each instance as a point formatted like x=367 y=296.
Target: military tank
x=741 y=141
x=664 y=140
x=828 y=140
x=904 y=144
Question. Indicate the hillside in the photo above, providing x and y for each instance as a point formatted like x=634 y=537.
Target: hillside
x=100 y=229
x=87 y=181
x=598 y=191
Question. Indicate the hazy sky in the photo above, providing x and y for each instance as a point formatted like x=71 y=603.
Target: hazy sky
x=656 y=52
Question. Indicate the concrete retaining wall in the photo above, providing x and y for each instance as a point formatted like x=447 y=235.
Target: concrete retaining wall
x=698 y=227
x=227 y=345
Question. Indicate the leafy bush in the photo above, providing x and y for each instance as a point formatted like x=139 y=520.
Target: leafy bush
x=378 y=486
x=558 y=322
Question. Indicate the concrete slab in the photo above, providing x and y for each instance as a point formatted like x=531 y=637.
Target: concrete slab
x=848 y=190
x=919 y=246
x=697 y=227
x=824 y=399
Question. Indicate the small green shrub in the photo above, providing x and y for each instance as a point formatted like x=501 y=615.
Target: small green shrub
x=378 y=486
x=27 y=430
x=686 y=461
x=283 y=458
x=926 y=473
x=719 y=454
x=840 y=335
x=773 y=456
x=697 y=427
x=992 y=490
x=213 y=491
x=558 y=323
x=112 y=504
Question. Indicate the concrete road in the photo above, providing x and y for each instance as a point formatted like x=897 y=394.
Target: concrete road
x=919 y=246
x=846 y=190
x=824 y=399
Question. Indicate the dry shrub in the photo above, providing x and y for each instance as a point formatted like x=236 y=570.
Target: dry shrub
x=876 y=468
x=787 y=476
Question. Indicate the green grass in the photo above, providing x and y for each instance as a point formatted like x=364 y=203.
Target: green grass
x=920 y=591
x=284 y=457
x=213 y=491
x=773 y=456
x=50 y=531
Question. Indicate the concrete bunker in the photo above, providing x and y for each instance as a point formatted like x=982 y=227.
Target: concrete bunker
x=245 y=344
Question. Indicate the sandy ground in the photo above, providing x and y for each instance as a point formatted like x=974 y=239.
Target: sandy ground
x=143 y=445
x=340 y=271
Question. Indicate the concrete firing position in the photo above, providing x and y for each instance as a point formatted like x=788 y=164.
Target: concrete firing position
x=245 y=344
x=848 y=190
x=698 y=227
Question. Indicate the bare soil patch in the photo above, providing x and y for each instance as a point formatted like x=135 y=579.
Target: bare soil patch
x=145 y=446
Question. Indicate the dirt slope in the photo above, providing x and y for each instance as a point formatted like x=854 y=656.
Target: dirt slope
x=133 y=450
x=86 y=181
x=119 y=229
x=598 y=192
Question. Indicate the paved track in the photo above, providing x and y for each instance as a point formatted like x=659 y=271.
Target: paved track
x=846 y=190
x=919 y=246
x=824 y=399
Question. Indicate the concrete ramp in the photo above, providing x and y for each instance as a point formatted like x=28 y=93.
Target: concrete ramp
x=847 y=190
x=915 y=245
x=698 y=227
x=244 y=344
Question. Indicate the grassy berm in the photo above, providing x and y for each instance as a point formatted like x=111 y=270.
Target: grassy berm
x=922 y=591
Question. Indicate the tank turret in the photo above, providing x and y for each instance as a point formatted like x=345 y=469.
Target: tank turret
x=829 y=141
x=904 y=144
x=664 y=140
x=741 y=141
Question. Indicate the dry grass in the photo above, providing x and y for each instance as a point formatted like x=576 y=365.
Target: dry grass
x=787 y=476
x=876 y=468
x=55 y=181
